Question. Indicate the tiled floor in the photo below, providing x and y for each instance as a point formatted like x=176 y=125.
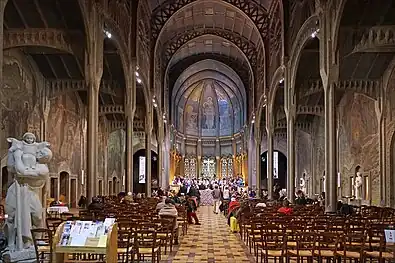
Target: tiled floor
x=210 y=242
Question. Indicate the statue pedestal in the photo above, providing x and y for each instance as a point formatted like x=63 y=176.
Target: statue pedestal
x=23 y=256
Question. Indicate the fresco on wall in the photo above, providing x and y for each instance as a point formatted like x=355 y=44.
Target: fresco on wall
x=64 y=132
x=18 y=100
x=180 y=119
x=225 y=118
x=191 y=117
x=208 y=109
x=237 y=118
x=358 y=139
x=114 y=149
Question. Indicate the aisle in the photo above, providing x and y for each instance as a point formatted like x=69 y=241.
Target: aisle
x=211 y=242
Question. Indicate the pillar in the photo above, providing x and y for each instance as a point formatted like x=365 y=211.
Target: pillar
x=329 y=71
x=258 y=163
x=148 y=160
x=94 y=71
x=234 y=154
x=130 y=108
x=330 y=149
x=291 y=157
x=269 y=137
x=160 y=147
x=199 y=159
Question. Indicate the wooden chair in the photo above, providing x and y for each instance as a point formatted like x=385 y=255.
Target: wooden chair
x=42 y=239
x=53 y=223
x=274 y=246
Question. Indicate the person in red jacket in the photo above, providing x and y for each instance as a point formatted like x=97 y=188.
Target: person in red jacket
x=285 y=209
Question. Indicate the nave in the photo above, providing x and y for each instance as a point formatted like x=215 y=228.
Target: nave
x=210 y=242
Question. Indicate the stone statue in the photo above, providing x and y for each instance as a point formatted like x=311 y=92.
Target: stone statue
x=358 y=186
x=27 y=161
x=302 y=185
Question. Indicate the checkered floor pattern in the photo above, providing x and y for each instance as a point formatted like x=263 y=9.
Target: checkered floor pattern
x=210 y=242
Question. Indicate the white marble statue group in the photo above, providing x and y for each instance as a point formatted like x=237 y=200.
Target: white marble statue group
x=358 y=186
x=27 y=162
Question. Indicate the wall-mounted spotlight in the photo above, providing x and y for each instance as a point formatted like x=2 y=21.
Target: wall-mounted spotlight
x=253 y=119
x=315 y=33
x=281 y=81
x=137 y=74
x=107 y=33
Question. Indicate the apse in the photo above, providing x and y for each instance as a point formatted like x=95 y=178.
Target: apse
x=209 y=102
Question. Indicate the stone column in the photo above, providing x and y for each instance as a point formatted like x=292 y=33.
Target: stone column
x=199 y=159
x=379 y=107
x=270 y=133
x=330 y=149
x=217 y=159
x=234 y=154
x=160 y=147
x=94 y=71
x=130 y=108
x=148 y=158
x=291 y=157
x=258 y=162
x=329 y=71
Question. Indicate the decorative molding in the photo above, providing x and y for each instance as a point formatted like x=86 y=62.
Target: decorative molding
x=59 y=87
x=111 y=109
x=377 y=39
x=368 y=87
x=301 y=109
x=48 y=37
x=303 y=126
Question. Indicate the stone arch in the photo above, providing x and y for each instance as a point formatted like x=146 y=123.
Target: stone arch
x=338 y=17
x=302 y=38
x=219 y=37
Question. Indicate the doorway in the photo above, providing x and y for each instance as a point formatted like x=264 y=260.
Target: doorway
x=73 y=193
x=110 y=188
x=114 y=185
x=279 y=169
x=65 y=186
x=54 y=188
x=101 y=187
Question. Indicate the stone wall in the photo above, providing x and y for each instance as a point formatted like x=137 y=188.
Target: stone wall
x=358 y=142
x=60 y=120
x=318 y=155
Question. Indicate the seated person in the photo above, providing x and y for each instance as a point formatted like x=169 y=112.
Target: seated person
x=160 y=205
x=300 y=199
x=234 y=205
x=169 y=210
x=285 y=209
x=191 y=210
x=82 y=203
x=96 y=204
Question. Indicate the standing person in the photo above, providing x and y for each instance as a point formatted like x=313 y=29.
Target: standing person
x=217 y=198
x=191 y=211
x=226 y=193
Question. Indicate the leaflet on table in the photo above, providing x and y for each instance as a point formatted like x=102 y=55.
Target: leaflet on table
x=80 y=233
